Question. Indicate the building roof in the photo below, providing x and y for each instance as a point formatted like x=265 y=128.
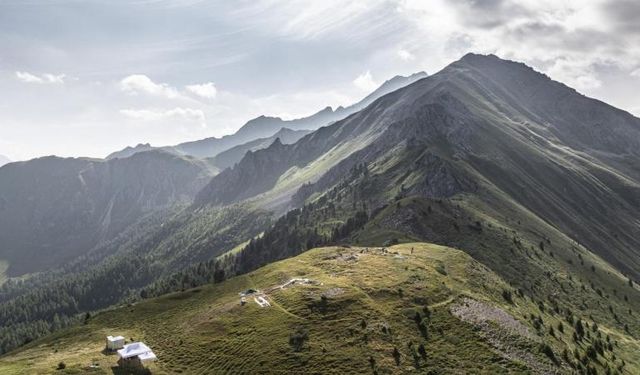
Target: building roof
x=148 y=356
x=137 y=349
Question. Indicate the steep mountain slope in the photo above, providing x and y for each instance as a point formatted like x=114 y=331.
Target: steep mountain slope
x=487 y=156
x=266 y=126
x=465 y=159
x=481 y=123
x=233 y=155
x=54 y=209
x=414 y=308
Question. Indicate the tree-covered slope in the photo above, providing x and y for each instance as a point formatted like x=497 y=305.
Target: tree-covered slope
x=53 y=209
x=156 y=247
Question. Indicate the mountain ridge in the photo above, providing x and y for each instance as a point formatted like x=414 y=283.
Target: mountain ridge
x=462 y=114
x=480 y=157
x=266 y=126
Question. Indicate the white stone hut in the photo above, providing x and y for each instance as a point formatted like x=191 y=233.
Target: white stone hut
x=115 y=343
x=135 y=355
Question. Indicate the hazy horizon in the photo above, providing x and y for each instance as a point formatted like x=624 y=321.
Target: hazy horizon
x=89 y=78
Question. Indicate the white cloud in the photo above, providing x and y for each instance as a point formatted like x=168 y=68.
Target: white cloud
x=636 y=73
x=577 y=74
x=53 y=78
x=138 y=83
x=405 y=55
x=204 y=90
x=45 y=78
x=28 y=77
x=313 y=20
x=365 y=82
x=190 y=114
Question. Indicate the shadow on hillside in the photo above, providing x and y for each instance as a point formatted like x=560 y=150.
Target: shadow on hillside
x=117 y=370
x=108 y=352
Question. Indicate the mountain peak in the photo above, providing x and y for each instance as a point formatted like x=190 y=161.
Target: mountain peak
x=402 y=80
x=327 y=109
x=495 y=65
x=276 y=143
x=471 y=56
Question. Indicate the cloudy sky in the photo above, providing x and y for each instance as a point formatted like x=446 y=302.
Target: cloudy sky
x=87 y=77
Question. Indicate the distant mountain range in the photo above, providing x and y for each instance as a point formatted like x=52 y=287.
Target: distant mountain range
x=55 y=209
x=265 y=126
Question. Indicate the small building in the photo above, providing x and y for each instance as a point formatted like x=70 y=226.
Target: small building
x=135 y=355
x=115 y=343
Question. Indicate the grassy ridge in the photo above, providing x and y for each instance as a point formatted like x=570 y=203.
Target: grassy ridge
x=370 y=309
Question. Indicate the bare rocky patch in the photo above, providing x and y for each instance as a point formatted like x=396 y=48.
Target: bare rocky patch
x=507 y=336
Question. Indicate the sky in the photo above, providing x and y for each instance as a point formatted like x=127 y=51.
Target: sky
x=88 y=77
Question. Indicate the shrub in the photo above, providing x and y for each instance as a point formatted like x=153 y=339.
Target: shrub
x=579 y=328
x=422 y=351
x=423 y=330
x=506 y=294
x=61 y=366
x=426 y=311
x=298 y=338
x=396 y=356
x=546 y=349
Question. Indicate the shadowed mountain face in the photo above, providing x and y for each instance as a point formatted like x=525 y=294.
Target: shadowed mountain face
x=482 y=126
x=233 y=155
x=54 y=209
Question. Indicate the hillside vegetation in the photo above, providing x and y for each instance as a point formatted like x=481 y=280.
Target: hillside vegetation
x=53 y=210
x=536 y=185
x=408 y=308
